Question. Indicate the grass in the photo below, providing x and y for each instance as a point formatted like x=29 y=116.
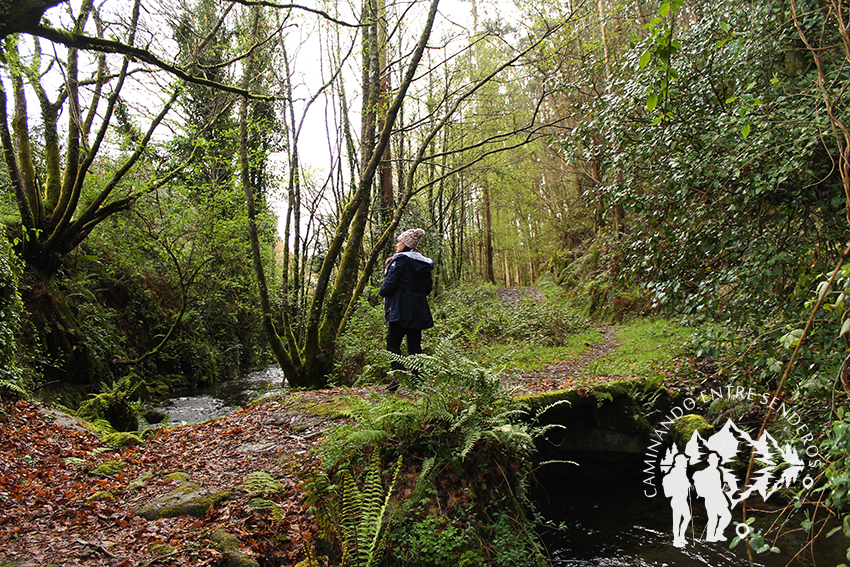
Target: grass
x=530 y=357
x=648 y=349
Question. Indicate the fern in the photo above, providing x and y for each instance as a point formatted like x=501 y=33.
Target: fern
x=15 y=387
x=260 y=484
x=364 y=522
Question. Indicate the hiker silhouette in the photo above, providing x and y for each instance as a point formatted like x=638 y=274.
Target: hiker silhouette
x=709 y=485
x=676 y=486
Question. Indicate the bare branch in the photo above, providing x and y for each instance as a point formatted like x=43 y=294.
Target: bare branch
x=81 y=41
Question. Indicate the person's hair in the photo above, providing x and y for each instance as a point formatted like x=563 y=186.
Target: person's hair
x=407 y=249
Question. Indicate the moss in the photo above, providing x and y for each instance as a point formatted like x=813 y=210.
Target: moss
x=585 y=393
x=161 y=549
x=102 y=496
x=335 y=407
x=684 y=427
x=187 y=499
x=225 y=540
x=121 y=439
x=109 y=468
x=153 y=416
x=140 y=482
x=100 y=427
x=179 y=476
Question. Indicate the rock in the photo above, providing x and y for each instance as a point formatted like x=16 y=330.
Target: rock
x=230 y=545
x=256 y=448
x=62 y=419
x=102 y=496
x=684 y=427
x=188 y=499
x=161 y=549
x=121 y=439
x=109 y=468
x=179 y=476
x=154 y=416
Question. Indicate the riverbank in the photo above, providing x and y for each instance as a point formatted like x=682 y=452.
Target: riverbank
x=68 y=499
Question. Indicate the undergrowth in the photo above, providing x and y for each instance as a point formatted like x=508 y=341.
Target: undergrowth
x=460 y=453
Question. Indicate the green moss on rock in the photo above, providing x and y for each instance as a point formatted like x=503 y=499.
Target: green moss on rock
x=188 y=499
x=109 y=468
x=684 y=427
x=102 y=496
x=335 y=407
x=229 y=544
x=161 y=549
x=178 y=476
x=121 y=439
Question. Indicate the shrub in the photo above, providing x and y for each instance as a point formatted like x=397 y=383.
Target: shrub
x=464 y=455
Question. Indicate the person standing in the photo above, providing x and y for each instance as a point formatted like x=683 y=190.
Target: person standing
x=406 y=286
x=709 y=485
x=676 y=487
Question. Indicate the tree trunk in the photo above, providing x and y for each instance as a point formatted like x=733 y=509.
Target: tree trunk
x=489 y=274
x=281 y=354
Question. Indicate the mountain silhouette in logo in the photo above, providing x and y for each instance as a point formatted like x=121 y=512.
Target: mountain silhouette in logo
x=730 y=442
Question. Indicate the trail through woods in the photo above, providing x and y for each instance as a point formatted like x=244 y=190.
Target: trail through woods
x=565 y=373
x=67 y=499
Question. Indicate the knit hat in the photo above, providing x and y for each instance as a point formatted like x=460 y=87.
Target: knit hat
x=411 y=238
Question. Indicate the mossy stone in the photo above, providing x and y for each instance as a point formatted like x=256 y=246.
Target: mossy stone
x=109 y=468
x=121 y=439
x=335 y=407
x=160 y=549
x=179 y=476
x=225 y=540
x=102 y=496
x=153 y=416
x=188 y=499
x=230 y=545
x=684 y=427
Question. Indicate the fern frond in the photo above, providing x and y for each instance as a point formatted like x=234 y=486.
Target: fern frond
x=260 y=482
x=426 y=474
x=269 y=506
x=14 y=386
x=547 y=407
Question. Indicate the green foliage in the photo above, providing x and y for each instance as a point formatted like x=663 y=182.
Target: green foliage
x=262 y=486
x=648 y=348
x=477 y=316
x=461 y=431
x=437 y=540
x=11 y=378
x=360 y=348
x=719 y=225
x=117 y=403
x=364 y=515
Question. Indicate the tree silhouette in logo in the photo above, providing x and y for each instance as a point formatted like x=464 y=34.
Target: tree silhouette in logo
x=703 y=467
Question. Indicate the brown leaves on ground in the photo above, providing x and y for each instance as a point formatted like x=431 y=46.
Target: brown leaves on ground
x=55 y=509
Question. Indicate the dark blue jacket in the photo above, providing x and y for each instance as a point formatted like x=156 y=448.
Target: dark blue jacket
x=405 y=288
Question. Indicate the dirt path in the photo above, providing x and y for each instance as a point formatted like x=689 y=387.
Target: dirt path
x=567 y=372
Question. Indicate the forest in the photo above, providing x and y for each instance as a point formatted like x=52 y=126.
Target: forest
x=195 y=189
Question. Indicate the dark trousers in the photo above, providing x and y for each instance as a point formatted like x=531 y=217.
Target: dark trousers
x=395 y=334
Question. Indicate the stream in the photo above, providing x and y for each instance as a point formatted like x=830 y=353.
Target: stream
x=605 y=520
x=194 y=406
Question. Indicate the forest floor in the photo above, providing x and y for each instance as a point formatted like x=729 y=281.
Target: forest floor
x=67 y=499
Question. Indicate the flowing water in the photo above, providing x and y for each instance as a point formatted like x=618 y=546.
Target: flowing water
x=194 y=406
x=606 y=521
